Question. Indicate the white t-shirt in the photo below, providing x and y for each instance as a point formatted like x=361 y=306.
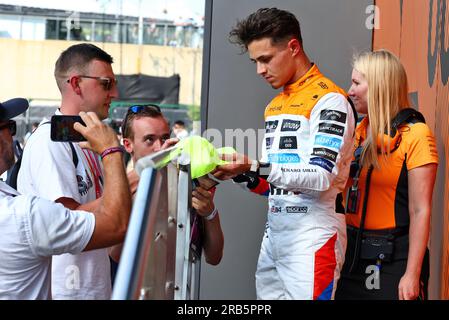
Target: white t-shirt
x=181 y=134
x=48 y=171
x=32 y=230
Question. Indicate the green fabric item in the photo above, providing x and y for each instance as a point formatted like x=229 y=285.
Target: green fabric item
x=204 y=158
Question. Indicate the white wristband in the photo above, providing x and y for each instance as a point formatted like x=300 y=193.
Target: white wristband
x=254 y=166
x=211 y=215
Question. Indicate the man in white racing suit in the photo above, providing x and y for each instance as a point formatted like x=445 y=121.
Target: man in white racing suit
x=308 y=148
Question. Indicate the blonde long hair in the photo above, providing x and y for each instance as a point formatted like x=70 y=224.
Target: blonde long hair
x=387 y=95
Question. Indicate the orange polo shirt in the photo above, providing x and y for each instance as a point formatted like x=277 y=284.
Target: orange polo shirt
x=388 y=201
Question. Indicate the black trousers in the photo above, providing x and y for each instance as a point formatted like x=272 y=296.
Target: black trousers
x=361 y=284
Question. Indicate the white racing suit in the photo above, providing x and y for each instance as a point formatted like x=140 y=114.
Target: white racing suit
x=309 y=143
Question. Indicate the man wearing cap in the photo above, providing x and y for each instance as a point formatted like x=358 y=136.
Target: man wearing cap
x=33 y=229
x=86 y=81
x=145 y=131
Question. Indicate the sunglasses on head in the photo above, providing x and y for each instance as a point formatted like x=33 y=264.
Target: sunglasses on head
x=106 y=82
x=136 y=109
x=11 y=125
x=139 y=108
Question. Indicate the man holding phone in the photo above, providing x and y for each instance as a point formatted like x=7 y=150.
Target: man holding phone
x=145 y=131
x=87 y=83
x=33 y=229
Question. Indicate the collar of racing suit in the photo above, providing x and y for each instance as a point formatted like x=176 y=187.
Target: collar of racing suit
x=301 y=82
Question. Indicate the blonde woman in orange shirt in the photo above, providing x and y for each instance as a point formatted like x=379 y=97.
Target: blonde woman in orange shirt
x=389 y=195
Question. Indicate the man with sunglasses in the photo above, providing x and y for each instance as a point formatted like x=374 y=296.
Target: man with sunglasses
x=87 y=83
x=145 y=131
x=9 y=110
x=34 y=229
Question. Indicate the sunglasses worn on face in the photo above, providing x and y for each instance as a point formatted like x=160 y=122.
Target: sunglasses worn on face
x=106 y=82
x=11 y=125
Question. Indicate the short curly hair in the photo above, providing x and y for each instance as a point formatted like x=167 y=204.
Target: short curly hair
x=279 y=25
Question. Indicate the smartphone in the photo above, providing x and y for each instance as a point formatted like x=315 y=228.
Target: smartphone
x=207 y=181
x=62 y=129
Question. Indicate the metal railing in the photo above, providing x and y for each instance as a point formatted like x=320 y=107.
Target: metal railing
x=157 y=261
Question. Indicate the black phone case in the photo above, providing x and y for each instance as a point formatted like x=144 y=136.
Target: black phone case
x=62 y=129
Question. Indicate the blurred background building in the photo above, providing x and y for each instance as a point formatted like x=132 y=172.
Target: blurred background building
x=164 y=50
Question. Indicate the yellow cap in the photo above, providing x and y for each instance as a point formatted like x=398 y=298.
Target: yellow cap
x=204 y=158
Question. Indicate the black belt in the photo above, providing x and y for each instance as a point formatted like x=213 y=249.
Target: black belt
x=399 y=236
x=395 y=232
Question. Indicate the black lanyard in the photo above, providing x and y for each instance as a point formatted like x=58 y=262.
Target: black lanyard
x=362 y=219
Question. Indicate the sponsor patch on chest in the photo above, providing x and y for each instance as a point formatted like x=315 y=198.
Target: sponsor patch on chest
x=290 y=125
x=284 y=158
x=288 y=143
x=270 y=126
x=269 y=142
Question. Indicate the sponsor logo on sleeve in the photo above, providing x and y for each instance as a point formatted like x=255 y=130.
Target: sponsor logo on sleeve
x=290 y=125
x=325 y=153
x=333 y=115
x=331 y=129
x=269 y=142
x=284 y=158
x=288 y=143
x=323 y=163
x=275 y=209
x=326 y=141
x=270 y=126
x=296 y=209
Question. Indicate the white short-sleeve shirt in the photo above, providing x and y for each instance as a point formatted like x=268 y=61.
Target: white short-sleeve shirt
x=48 y=171
x=32 y=230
